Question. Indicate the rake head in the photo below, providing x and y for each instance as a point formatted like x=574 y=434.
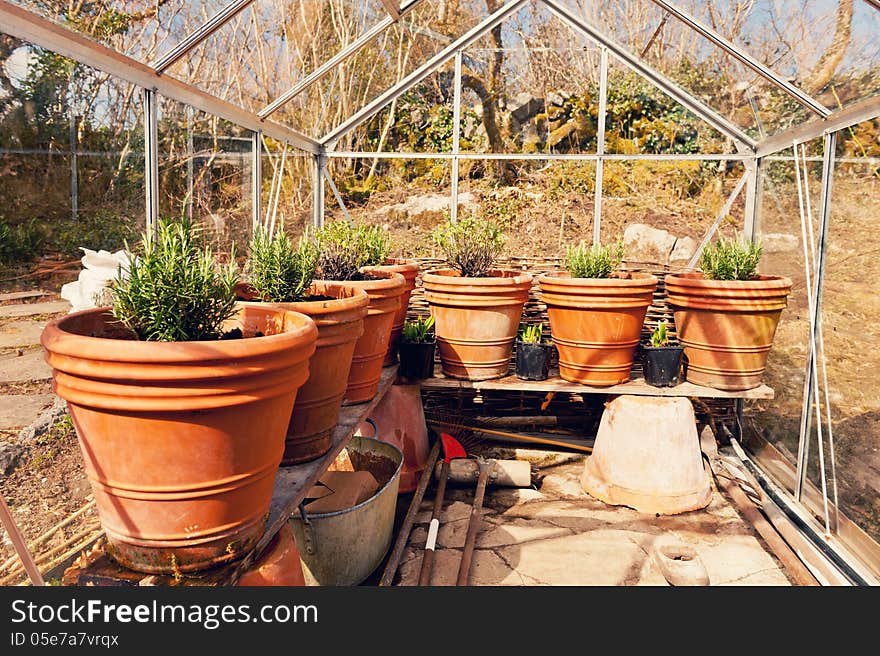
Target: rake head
x=452 y=448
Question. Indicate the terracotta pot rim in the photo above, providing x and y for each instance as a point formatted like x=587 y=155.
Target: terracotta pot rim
x=637 y=279
x=399 y=264
x=697 y=280
x=451 y=276
x=387 y=280
x=58 y=339
x=344 y=297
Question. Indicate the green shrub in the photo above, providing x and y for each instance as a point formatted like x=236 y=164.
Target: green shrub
x=346 y=247
x=595 y=261
x=418 y=330
x=101 y=230
x=175 y=290
x=280 y=272
x=471 y=245
x=19 y=243
x=730 y=260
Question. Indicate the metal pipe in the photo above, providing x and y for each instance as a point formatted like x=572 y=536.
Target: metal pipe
x=200 y=34
x=754 y=198
x=256 y=178
x=703 y=111
x=319 y=162
x=422 y=72
x=456 y=137
x=74 y=167
x=718 y=219
x=336 y=193
x=354 y=47
x=733 y=50
x=859 y=112
x=151 y=161
x=600 y=145
x=21 y=23
x=539 y=157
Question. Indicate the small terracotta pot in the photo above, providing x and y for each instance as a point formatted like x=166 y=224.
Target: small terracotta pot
x=476 y=320
x=181 y=440
x=340 y=323
x=726 y=326
x=409 y=269
x=595 y=324
x=384 y=292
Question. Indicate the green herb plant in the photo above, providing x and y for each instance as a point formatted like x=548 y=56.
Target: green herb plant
x=346 y=247
x=730 y=260
x=660 y=335
x=175 y=289
x=596 y=261
x=471 y=245
x=530 y=333
x=278 y=270
x=418 y=330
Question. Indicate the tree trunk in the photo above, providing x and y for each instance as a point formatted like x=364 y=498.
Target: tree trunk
x=833 y=55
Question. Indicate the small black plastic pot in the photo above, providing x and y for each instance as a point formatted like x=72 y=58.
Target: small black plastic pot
x=532 y=360
x=416 y=359
x=662 y=365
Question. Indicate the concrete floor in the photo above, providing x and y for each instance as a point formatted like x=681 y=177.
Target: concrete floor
x=559 y=535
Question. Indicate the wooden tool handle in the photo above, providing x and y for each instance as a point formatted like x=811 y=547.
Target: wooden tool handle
x=428 y=559
x=19 y=543
x=464 y=566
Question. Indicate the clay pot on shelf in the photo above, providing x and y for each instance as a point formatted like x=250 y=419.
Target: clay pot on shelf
x=384 y=290
x=726 y=326
x=181 y=440
x=596 y=323
x=476 y=320
x=409 y=269
x=339 y=317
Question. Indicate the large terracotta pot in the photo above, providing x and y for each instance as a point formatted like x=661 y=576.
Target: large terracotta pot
x=595 y=323
x=384 y=289
x=340 y=322
x=726 y=326
x=476 y=320
x=409 y=269
x=181 y=440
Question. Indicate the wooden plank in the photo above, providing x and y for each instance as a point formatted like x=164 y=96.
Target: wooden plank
x=636 y=386
x=291 y=485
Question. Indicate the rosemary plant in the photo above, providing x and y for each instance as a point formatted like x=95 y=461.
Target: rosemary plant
x=595 y=261
x=471 y=245
x=730 y=260
x=346 y=247
x=278 y=270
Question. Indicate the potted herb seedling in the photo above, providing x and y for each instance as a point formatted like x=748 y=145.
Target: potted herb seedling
x=662 y=360
x=726 y=315
x=281 y=274
x=596 y=311
x=416 y=349
x=532 y=353
x=181 y=399
x=349 y=252
x=476 y=306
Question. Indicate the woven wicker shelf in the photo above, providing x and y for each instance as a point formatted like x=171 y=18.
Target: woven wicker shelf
x=636 y=386
x=291 y=485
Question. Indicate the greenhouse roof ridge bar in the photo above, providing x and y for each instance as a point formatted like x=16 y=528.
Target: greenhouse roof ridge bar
x=422 y=72
x=665 y=84
x=200 y=34
x=733 y=50
x=349 y=50
x=26 y=25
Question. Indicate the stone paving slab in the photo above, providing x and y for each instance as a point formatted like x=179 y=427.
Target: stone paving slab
x=32 y=309
x=16 y=296
x=29 y=366
x=21 y=333
x=19 y=410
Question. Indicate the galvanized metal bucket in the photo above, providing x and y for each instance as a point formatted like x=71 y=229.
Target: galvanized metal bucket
x=343 y=548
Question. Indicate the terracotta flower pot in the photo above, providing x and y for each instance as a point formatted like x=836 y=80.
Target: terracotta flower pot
x=476 y=320
x=340 y=323
x=384 y=292
x=181 y=440
x=726 y=326
x=595 y=324
x=409 y=269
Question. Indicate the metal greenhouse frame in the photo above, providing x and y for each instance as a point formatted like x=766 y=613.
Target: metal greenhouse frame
x=824 y=123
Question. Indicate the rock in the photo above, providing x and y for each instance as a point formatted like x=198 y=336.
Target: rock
x=10 y=456
x=558 y=98
x=28 y=366
x=524 y=107
x=647 y=244
x=430 y=204
x=44 y=422
x=777 y=242
x=31 y=309
x=19 y=410
x=21 y=333
x=684 y=249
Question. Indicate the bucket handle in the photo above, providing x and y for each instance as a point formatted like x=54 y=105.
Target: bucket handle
x=311 y=542
x=372 y=423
